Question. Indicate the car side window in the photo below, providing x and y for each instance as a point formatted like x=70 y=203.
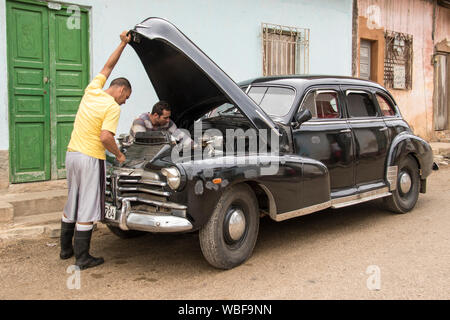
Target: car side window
x=359 y=104
x=322 y=104
x=386 y=108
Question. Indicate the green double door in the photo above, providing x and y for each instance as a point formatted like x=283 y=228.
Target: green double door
x=48 y=69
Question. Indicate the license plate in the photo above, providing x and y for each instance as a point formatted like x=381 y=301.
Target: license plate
x=110 y=212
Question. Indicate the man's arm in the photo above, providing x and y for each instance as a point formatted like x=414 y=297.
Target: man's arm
x=108 y=141
x=111 y=63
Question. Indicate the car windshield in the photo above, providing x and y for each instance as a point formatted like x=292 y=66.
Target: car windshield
x=275 y=101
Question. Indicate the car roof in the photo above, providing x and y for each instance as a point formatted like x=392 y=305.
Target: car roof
x=301 y=81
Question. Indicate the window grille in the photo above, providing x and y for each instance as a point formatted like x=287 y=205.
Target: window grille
x=398 y=60
x=285 y=50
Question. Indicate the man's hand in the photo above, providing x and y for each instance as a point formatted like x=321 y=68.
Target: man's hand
x=108 y=141
x=121 y=158
x=124 y=37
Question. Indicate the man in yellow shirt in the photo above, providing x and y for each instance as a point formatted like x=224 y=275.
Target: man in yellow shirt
x=93 y=131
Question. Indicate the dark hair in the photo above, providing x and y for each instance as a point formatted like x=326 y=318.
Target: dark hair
x=121 y=82
x=159 y=107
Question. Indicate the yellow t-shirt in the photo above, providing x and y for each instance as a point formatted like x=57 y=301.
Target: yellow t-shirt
x=97 y=111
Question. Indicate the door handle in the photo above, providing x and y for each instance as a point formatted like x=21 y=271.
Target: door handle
x=383 y=129
x=345 y=131
x=46 y=80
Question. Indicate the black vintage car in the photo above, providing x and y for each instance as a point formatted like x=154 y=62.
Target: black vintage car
x=322 y=141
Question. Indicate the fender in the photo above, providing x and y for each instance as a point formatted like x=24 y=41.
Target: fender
x=407 y=143
x=297 y=182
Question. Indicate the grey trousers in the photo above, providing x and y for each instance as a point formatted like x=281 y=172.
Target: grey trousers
x=86 y=183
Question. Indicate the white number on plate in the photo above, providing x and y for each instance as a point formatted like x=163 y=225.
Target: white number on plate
x=110 y=212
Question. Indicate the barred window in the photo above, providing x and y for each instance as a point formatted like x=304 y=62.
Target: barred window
x=285 y=50
x=398 y=61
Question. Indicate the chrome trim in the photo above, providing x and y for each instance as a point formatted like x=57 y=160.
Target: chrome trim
x=317 y=92
x=360 y=197
x=391 y=177
x=136 y=220
x=405 y=182
x=303 y=211
x=314 y=122
x=124 y=215
x=157 y=192
x=158 y=223
x=347 y=92
x=236 y=224
x=335 y=203
x=169 y=205
x=272 y=203
x=345 y=131
x=373 y=119
x=108 y=193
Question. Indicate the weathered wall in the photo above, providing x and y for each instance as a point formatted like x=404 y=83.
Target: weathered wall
x=229 y=32
x=414 y=17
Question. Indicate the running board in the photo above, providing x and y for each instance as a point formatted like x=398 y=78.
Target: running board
x=336 y=203
x=358 y=198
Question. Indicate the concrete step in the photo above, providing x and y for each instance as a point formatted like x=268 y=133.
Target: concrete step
x=34 y=203
x=47 y=225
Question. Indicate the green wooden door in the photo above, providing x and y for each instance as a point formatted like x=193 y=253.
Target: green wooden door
x=29 y=99
x=48 y=69
x=69 y=75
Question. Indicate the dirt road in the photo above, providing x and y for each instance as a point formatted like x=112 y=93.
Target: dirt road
x=359 y=252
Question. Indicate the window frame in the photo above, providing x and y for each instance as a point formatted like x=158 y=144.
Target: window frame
x=324 y=89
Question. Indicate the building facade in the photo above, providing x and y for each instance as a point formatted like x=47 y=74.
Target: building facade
x=50 y=50
x=405 y=46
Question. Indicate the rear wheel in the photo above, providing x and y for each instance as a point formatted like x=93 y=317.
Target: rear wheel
x=228 y=239
x=404 y=198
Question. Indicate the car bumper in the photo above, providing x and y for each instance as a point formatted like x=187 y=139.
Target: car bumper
x=151 y=222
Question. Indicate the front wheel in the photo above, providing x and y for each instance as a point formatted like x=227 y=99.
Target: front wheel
x=404 y=198
x=228 y=239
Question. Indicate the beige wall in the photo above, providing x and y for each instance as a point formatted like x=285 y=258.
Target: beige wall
x=414 y=17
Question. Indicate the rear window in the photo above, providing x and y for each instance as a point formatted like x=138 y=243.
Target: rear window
x=386 y=108
x=275 y=101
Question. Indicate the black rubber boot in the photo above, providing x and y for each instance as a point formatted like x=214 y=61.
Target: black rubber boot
x=67 y=230
x=82 y=243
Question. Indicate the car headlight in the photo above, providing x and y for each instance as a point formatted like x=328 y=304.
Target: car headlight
x=173 y=177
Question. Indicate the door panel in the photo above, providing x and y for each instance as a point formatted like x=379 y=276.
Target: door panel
x=69 y=76
x=371 y=135
x=29 y=117
x=328 y=140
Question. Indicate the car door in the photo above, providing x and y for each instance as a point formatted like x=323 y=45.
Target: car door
x=370 y=133
x=327 y=136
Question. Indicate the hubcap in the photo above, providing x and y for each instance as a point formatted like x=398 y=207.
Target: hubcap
x=405 y=182
x=236 y=224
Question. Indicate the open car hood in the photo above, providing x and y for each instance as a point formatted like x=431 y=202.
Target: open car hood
x=187 y=78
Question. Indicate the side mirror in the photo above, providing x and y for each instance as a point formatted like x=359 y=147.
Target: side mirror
x=303 y=116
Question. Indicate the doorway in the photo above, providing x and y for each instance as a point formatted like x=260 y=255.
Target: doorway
x=48 y=69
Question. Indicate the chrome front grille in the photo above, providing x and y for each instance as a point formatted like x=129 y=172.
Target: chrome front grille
x=143 y=189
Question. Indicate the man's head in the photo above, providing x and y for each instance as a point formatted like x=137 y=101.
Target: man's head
x=160 y=115
x=120 y=90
